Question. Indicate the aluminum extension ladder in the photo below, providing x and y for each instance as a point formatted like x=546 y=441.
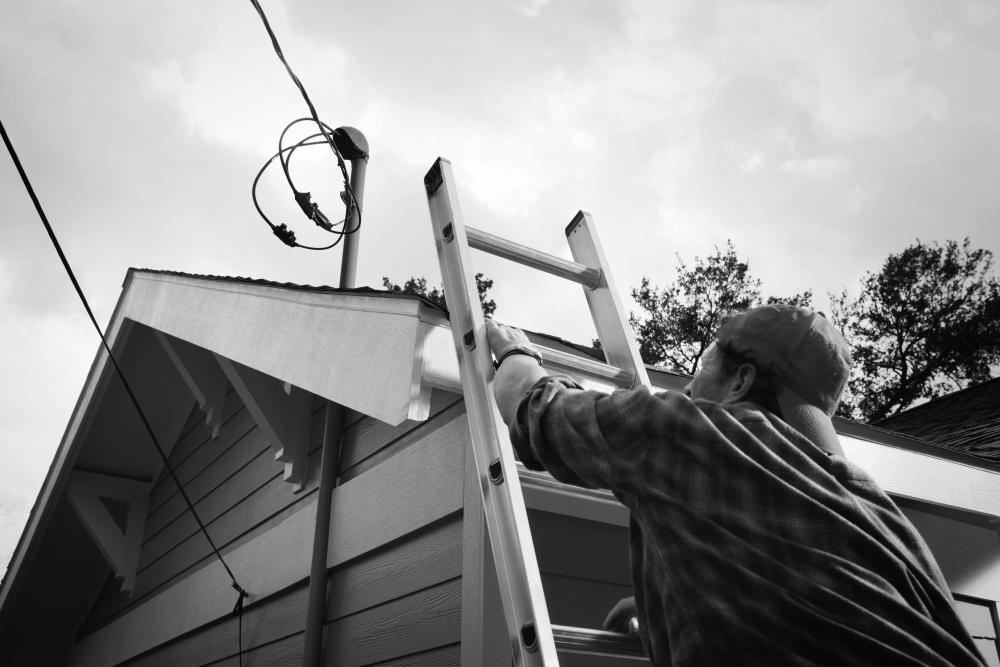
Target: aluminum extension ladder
x=533 y=639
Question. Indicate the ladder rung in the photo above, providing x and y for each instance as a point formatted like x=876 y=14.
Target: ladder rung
x=545 y=493
x=536 y=259
x=591 y=368
x=598 y=642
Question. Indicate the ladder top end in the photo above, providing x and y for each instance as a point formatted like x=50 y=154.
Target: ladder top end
x=433 y=179
x=580 y=217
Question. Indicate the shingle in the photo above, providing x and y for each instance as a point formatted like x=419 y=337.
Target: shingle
x=967 y=420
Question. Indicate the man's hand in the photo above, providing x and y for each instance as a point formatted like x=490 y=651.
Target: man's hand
x=518 y=372
x=623 y=617
x=502 y=338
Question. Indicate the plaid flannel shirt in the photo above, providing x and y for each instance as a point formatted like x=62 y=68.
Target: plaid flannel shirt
x=749 y=545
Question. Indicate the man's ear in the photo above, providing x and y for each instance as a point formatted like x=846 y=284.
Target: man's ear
x=741 y=383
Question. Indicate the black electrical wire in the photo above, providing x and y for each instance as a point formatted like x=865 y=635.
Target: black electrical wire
x=281 y=143
x=114 y=361
x=351 y=202
x=281 y=230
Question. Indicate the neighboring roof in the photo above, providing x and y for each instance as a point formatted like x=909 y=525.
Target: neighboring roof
x=967 y=420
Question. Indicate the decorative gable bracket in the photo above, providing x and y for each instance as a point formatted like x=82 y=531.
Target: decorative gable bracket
x=283 y=413
x=119 y=541
x=202 y=376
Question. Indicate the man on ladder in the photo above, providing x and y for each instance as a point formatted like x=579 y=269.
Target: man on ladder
x=753 y=540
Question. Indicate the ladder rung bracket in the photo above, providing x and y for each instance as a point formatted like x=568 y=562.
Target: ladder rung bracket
x=564 y=362
x=515 y=252
x=598 y=642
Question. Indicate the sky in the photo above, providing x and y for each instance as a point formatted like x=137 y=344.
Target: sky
x=819 y=137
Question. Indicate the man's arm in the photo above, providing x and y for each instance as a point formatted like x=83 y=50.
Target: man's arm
x=514 y=378
x=517 y=374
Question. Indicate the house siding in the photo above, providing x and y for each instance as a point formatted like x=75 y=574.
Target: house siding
x=584 y=567
x=396 y=581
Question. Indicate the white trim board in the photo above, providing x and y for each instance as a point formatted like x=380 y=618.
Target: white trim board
x=930 y=479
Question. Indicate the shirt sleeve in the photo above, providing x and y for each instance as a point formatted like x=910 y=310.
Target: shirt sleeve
x=586 y=438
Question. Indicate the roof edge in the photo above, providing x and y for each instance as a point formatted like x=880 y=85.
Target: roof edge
x=56 y=476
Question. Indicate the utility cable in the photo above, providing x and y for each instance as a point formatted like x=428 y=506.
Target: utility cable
x=281 y=230
x=128 y=388
x=303 y=199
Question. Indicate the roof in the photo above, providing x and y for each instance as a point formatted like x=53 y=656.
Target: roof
x=327 y=289
x=967 y=420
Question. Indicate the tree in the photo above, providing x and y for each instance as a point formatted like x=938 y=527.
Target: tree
x=926 y=324
x=678 y=323
x=436 y=294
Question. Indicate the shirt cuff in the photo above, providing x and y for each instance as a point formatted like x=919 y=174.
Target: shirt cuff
x=529 y=408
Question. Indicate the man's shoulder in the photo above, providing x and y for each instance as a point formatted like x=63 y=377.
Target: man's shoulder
x=743 y=412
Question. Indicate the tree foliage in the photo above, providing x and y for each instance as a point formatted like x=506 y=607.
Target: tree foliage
x=678 y=322
x=926 y=324
x=436 y=294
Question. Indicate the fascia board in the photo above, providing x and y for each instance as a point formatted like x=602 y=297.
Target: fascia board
x=925 y=477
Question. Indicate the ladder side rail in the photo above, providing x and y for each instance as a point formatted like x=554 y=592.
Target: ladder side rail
x=529 y=628
x=536 y=259
x=610 y=317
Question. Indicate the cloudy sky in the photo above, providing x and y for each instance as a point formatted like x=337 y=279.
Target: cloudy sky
x=817 y=136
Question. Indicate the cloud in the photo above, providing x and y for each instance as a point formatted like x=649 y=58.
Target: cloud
x=850 y=68
x=13 y=517
x=821 y=167
x=753 y=162
x=978 y=13
x=532 y=8
x=235 y=86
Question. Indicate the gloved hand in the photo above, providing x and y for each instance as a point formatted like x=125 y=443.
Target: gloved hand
x=623 y=617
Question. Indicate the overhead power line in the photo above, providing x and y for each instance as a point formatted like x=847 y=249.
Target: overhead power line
x=284 y=156
x=121 y=375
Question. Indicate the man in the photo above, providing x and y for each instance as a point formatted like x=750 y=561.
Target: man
x=753 y=540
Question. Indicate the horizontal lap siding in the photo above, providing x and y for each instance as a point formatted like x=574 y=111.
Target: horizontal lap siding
x=584 y=567
x=369 y=441
x=288 y=651
x=239 y=494
x=395 y=579
x=234 y=483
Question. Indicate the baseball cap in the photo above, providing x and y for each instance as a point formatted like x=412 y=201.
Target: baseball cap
x=808 y=357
